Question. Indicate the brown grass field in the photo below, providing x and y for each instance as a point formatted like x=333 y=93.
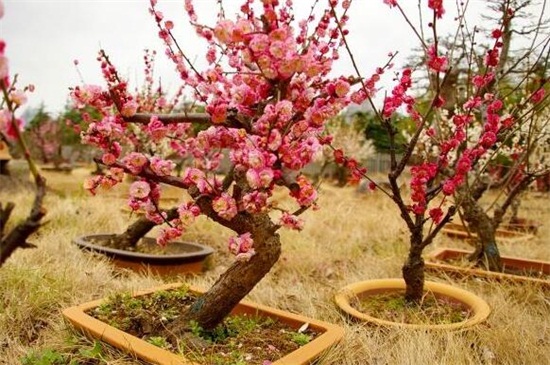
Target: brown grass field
x=351 y=238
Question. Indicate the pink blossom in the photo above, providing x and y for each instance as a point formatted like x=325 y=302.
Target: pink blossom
x=18 y=97
x=224 y=31
x=225 y=206
x=140 y=189
x=253 y=178
x=162 y=167
x=449 y=187
x=291 y=221
x=168 y=234
x=187 y=213
x=306 y=195
x=342 y=88
x=135 y=162
x=255 y=202
x=241 y=244
x=538 y=96
x=108 y=159
x=437 y=7
x=435 y=62
x=156 y=129
x=129 y=108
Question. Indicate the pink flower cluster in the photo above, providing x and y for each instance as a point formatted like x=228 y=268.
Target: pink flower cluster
x=10 y=125
x=268 y=103
x=242 y=246
x=399 y=96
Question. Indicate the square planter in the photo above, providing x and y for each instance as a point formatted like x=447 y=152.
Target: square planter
x=94 y=328
x=456 y=230
x=438 y=261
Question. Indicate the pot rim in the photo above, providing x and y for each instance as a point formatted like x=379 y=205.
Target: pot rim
x=201 y=252
x=479 y=307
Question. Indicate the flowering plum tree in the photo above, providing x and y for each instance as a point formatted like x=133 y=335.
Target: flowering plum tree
x=447 y=149
x=12 y=98
x=268 y=94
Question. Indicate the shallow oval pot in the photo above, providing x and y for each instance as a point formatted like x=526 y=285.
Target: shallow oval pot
x=480 y=310
x=185 y=257
x=440 y=261
x=96 y=329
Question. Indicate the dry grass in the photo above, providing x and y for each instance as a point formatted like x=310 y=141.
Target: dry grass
x=351 y=238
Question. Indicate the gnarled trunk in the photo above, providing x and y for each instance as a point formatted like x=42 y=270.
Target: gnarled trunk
x=486 y=253
x=233 y=285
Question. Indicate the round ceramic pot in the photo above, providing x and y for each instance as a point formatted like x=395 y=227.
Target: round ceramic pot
x=182 y=257
x=479 y=309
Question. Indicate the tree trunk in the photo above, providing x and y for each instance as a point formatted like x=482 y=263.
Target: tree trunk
x=413 y=270
x=137 y=231
x=17 y=237
x=233 y=285
x=4 y=168
x=486 y=253
x=342 y=175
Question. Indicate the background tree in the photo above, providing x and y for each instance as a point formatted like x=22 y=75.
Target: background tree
x=11 y=100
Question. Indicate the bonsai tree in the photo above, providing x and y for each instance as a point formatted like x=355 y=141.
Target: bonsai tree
x=443 y=149
x=267 y=95
x=10 y=130
x=150 y=98
x=44 y=134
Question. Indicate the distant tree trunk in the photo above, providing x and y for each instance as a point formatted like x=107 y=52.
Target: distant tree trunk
x=137 y=231
x=342 y=174
x=4 y=167
x=486 y=253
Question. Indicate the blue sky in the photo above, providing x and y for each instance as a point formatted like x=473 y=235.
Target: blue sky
x=45 y=36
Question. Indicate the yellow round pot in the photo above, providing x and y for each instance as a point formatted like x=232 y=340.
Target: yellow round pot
x=479 y=308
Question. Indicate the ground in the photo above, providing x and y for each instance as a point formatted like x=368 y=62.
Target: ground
x=351 y=238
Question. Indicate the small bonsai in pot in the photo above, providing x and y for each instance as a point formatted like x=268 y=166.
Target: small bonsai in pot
x=11 y=99
x=265 y=110
x=443 y=150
